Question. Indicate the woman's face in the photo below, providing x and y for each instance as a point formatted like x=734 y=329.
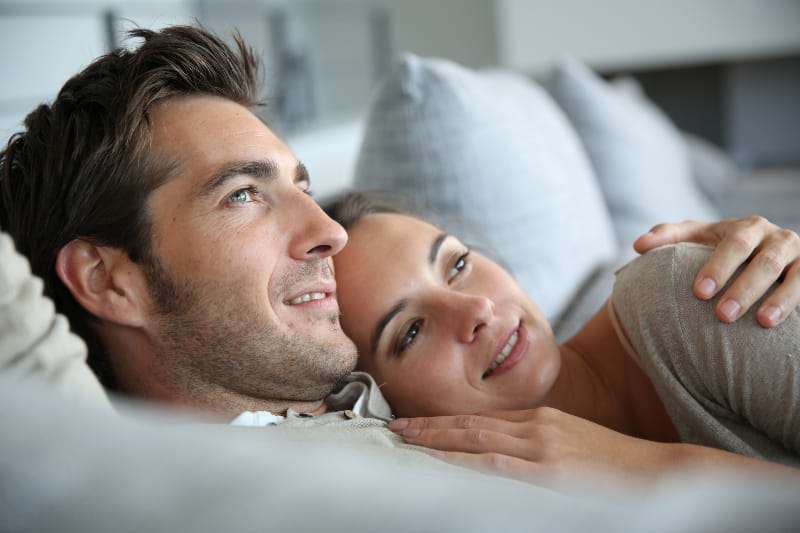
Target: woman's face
x=443 y=330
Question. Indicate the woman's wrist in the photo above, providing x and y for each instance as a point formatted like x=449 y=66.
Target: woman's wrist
x=684 y=456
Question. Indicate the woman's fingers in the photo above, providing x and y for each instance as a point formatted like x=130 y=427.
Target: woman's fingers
x=663 y=234
x=783 y=300
x=482 y=421
x=772 y=252
x=518 y=415
x=467 y=440
x=737 y=244
x=764 y=269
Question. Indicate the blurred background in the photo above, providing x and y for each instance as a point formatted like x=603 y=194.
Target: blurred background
x=727 y=70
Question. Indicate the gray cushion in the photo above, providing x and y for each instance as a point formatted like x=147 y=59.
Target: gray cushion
x=712 y=169
x=493 y=155
x=638 y=155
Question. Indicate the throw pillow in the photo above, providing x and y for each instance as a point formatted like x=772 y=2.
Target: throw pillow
x=638 y=155
x=493 y=156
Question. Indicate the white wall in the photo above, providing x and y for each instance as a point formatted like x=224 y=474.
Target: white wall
x=460 y=30
x=620 y=34
x=43 y=43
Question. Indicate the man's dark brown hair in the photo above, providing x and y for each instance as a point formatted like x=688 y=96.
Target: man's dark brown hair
x=82 y=169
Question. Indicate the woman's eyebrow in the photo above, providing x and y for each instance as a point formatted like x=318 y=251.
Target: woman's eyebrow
x=436 y=245
x=383 y=322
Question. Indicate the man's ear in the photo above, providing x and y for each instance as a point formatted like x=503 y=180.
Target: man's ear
x=104 y=281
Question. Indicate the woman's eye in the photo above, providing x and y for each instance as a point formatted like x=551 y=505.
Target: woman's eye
x=458 y=266
x=242 y=196
x=410 y=336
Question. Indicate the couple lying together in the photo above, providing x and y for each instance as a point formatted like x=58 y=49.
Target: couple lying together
x=174 y=230
x=445 y=331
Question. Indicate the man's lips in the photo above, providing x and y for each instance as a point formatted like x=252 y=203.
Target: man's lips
x=313 y=294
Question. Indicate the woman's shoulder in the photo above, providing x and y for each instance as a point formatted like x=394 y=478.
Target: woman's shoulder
x=728 y=380
x=672 y=262
x=659 y=281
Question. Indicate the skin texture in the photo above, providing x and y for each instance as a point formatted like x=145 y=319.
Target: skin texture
x=386 y=262
x=210 y=324
x=466 y=309
x=441 y=373
x=463 y=311
x=560 y=412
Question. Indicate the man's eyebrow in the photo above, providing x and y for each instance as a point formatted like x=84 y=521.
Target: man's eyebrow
x=376 y=336
x=436 y=245
x=265 y=169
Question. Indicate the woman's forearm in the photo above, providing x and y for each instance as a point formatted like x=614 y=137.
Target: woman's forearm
x=685 y=456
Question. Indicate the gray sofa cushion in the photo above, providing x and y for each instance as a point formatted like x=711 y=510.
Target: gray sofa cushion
x=495 y=158
x=638 y=155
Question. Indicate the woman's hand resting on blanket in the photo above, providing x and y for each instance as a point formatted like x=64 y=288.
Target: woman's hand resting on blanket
x=551 y=448
x=773 y=254
x=543 y=446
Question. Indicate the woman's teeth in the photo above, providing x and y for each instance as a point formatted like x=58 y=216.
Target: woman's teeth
x=512 y=341
x=307 y=298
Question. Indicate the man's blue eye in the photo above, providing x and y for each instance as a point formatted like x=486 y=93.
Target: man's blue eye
x=241 y=196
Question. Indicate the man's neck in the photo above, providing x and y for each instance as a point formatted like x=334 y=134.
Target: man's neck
x=220 y=402
x=134 y=360
x=229 y=404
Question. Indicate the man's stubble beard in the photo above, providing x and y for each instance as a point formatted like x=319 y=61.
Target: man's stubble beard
x=213 y=335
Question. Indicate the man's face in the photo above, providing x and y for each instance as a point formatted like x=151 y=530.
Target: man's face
x=242 y=286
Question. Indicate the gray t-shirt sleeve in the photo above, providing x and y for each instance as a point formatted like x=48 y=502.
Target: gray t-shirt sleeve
x=730 y=386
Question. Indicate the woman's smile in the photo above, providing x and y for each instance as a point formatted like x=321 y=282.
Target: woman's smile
x=447 y=330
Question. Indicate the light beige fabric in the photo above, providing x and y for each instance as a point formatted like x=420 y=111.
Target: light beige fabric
x=35 y=342
x=730 y=386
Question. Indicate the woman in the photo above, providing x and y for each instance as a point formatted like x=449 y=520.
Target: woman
x=651 y=382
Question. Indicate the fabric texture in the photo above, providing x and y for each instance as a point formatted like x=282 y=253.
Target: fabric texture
x=497 y=163
x=35 y=342
x=638 y=155
x=730 y=386
x=713 y=170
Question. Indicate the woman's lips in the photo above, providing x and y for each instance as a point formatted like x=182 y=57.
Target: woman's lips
x=516 y=355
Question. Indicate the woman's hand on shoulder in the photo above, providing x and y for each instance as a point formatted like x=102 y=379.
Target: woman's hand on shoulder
x=543 y=446
x=773 y=254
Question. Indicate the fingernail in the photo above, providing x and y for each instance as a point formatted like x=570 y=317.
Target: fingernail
x=772 y=313
x=707 y=287
x=398 y=425
x=411 y=432
x=730 y=308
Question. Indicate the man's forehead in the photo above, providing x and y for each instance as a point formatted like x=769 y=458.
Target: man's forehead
x=199 y=134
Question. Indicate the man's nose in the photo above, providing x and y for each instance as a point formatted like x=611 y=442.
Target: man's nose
x=314 y=235
x=470 y=313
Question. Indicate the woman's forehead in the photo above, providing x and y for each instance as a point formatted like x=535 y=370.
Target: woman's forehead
x=386 y=258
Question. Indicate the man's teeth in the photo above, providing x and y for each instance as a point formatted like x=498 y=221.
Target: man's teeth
x=307 y=298
x=512 y=341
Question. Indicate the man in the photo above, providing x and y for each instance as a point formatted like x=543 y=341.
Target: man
x=175 y=231
x=179 y=237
